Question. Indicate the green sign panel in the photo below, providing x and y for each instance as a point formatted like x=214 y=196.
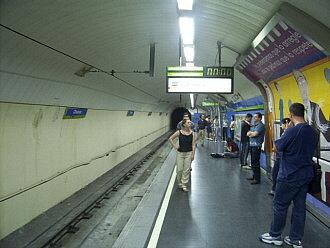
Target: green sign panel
x=256 y=107
x=200 y=72
x=210 y=104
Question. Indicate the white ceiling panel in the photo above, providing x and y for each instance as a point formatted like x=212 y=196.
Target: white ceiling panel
x=115 y=35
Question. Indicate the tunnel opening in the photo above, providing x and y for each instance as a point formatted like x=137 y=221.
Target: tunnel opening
x=177 y=116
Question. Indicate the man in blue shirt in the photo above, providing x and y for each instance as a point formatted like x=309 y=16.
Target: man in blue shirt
x=297 y=147
x=256 y=134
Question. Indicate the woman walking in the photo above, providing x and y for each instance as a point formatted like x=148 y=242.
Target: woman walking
x=185 y=153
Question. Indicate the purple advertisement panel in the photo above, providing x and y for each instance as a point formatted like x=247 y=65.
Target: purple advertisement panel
x=282 y=50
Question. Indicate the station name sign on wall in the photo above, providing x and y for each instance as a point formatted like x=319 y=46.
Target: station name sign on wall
x=74 y=113
x=207 y=79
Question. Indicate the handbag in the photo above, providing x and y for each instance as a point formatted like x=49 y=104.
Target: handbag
x=314 y=187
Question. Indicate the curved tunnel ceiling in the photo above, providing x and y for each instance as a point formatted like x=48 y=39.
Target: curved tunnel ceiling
x=115 y=35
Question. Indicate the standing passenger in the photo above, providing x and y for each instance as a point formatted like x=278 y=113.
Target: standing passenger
x=232 y=127
x=185 y=116
x=286 y=123
x=256 y=135
x=224 y=130
x=201 y=127
x=209 y=127
x=217 y=134
x=245 y=140
x=185 y=153
x=297 y=146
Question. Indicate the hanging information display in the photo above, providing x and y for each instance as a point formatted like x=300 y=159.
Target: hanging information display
x=207 y=79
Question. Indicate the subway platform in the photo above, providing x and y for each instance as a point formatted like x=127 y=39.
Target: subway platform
x=222 y=209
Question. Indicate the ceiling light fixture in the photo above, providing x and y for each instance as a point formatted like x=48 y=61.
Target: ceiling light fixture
x=185 y=4
x=189 y=53
x=187 y=30
x=192 y=101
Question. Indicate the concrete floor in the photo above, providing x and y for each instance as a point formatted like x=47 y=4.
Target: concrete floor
x=222 y=209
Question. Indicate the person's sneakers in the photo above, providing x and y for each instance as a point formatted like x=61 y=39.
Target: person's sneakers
x=295 y=244
x=266 y=238
x=246 y=167
x=180 y=185
x=272 y=193
x=185 y=189
x=255 y=182
x=250 y=178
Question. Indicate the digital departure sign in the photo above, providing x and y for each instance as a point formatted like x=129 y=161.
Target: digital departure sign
x=207 y=79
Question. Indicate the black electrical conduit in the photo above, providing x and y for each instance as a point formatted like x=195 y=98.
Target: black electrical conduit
x=9 y=196
x=79 y=60
x=75 y=84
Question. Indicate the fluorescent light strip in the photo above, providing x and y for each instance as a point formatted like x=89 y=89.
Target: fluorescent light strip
x=185 y=4
x=187 y=30
x=189 y=53
x=192 y=100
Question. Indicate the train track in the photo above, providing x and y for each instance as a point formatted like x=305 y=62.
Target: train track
x=69 y=235
x=67 y=218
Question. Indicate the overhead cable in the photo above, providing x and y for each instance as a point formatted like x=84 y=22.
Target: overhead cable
x=76 y=59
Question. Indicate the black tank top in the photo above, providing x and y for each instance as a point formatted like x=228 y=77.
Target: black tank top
x=185 y=142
